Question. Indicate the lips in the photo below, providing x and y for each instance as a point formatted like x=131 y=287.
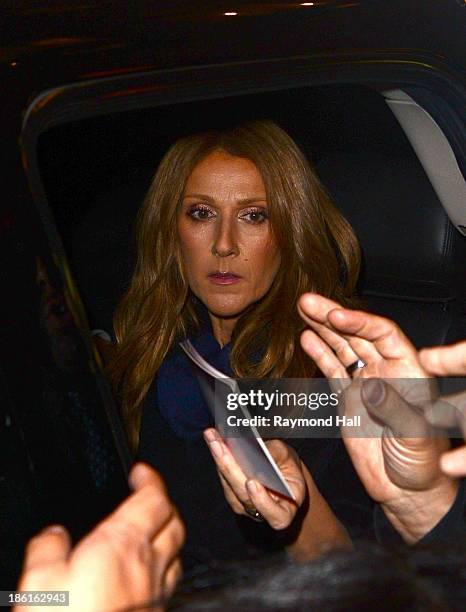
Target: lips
x=224 y=278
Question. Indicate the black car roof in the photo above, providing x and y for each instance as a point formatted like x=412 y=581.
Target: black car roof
x=80 y=40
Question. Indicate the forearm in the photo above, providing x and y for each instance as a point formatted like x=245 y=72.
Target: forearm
x=319 y=529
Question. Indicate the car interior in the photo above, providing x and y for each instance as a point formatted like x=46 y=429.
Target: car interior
x=383 y=157
x=390 y=154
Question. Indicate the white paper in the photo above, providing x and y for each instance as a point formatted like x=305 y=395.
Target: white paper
x=250 y=451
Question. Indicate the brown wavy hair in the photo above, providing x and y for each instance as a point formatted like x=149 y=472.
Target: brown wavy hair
x=319 y=253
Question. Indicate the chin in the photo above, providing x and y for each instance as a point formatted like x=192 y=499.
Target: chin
x=224 y=307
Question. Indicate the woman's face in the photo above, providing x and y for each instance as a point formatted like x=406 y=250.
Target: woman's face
x=228 y=251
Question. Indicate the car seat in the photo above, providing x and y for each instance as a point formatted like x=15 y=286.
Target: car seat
x=414 y=259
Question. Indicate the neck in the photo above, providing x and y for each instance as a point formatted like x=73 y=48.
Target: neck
x=222 y=329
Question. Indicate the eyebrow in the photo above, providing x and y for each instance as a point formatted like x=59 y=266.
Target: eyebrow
x=210 y=199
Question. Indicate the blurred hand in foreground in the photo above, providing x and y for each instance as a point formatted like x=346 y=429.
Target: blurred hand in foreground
x=127 y=560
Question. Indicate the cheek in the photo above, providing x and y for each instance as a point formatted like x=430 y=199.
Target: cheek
x=272 y=264
x=263 y=259
x=192 y=242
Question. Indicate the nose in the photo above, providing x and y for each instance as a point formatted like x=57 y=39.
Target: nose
x=225 y=242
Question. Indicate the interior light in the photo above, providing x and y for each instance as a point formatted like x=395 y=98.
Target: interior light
x=231 y=14
x=312 y=3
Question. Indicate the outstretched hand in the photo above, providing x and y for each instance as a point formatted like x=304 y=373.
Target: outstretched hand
x=129 y=559
x=399 y=470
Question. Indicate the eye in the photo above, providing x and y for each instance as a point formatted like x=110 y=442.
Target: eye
x=254 y=215
x=199 y=212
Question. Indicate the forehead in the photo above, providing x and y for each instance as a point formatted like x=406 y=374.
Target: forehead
x=220 y=168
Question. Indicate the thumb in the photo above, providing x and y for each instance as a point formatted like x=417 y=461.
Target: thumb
x=142 y=475
x=51 y=545
x=386 y=405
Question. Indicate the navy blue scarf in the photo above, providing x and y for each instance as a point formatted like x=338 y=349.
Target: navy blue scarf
x=176 y=389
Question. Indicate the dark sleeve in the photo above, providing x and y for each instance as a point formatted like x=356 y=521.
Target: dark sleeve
x=450 y=527
x=334 y=475
x=213 y=531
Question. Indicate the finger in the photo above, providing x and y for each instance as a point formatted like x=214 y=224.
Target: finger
x=171 y=578
x=278 y=513
x=315 y=310
x=386 y=336
x=166 y=547
x=366 y=351
x=52 y=545
x=458 y=400
x=453 y=463
x=148 y=509
x=227 y=464
x=337 y=342
x=142 y=474
x=168 y=543
x=448 y=411
x=385 y=404
x=313 y=307
x=291 y=466
x=441 y=413
x=325 y=359
x=445 y=360
x=236 y=505
x=347 y=347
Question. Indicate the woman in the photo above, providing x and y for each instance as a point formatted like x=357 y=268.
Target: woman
x=235 y=227
x=398 y=448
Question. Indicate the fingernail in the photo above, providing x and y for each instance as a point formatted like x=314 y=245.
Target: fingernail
x=136 y=476
x=447 y=463
x=373 y=391
x=216 y=448
x=252 y=487
x=53 y=529
x=209 y=435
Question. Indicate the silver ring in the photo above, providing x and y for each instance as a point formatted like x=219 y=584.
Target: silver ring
x=253 y=513
x=357 y=365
